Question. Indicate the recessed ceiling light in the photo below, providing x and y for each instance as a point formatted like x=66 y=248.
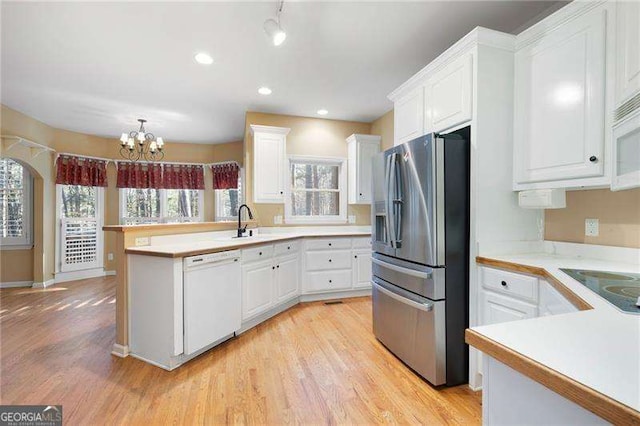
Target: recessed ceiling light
x=323 y=112
x=264 y=91
x=204 y=58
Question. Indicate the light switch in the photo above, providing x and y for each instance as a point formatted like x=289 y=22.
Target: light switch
x=591 y=227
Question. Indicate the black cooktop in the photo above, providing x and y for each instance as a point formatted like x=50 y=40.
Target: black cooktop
x=622 y=289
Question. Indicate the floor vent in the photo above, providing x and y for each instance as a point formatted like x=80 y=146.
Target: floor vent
x=333 y=302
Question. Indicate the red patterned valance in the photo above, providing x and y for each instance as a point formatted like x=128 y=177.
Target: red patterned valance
x=139 y=175
x=225 y=176
x=81 y=171
x=182 y=176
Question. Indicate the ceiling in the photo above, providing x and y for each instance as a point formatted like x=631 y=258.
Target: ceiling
x=96 y=67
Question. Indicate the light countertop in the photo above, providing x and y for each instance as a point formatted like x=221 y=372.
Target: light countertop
x=224 y=244
x=598 y=348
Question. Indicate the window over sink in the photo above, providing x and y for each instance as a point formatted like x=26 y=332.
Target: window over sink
x=316 y=190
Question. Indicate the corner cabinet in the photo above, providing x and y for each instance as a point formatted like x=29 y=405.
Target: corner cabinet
x=561 y=117
x=361 y=150
x=269 y=163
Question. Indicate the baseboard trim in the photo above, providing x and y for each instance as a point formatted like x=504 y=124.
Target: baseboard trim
x=109 y=273
x=44 y=284
x=121 y=351
x=13 y=284
x=335 y=295
x=63 y=277
x=252 y=322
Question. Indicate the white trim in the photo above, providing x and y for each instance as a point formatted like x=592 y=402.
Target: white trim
x=252 y=322
x=63 y=277
x=256 y=128
x=335 y=295
x=221 y=163
x=342 y=190
x=43 y=284
x=16 y=246
x=35 y=148
x=12 y=284
x=121 y=351
x=109 y=273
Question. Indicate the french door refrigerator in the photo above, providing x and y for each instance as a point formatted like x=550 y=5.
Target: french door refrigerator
x=420 y=237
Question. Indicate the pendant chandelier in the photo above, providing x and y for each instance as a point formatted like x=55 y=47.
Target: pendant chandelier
x=141 y=145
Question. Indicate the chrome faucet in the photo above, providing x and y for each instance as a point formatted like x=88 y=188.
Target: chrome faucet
x=242 y=230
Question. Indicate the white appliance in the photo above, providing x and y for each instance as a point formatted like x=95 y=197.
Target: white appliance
x=212 y=299
x=626 y=153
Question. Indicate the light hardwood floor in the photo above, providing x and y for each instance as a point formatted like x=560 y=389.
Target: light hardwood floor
x=314 y=364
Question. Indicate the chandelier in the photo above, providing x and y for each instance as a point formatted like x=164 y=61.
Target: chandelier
x=139 y=144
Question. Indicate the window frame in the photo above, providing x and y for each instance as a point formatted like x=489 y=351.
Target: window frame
x=341 y=217
x=217 y=201
x=26 y=241
x=100 y=214
x=163 y=218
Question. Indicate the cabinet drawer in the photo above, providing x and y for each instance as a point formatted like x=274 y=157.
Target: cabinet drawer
x=362 y=242
x=288 y=247
x=322 y=260
x=327 y=280
x=257 y=253
x=328 y=243
x=516 y=285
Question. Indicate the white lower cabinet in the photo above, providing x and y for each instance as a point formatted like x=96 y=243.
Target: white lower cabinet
x=286 y=277
x=497 y=308
x=361 y=267
x=258 y=280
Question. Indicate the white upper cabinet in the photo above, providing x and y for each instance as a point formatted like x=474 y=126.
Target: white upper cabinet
x=269 y=151
x=361 y=149
x=408 y=117
x=627 y=51
x=560 y=103
x=448 y=95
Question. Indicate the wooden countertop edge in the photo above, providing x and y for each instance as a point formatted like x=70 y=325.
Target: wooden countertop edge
x=590 y=399
x=575 y=300
x=134 y=250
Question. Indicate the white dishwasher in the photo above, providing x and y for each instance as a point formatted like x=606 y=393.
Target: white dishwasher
x=212 y=299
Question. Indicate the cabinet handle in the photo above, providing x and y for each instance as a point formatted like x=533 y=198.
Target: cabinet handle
x=278 y=266
x=329 y=260
x=504 y=283
x=288 y=248
x=329 y=244
x=280 y=192
x=330 y=281
x=593 y=159
x=355 y=257
x=260 y=254
x=361 y=194
x=273 y=267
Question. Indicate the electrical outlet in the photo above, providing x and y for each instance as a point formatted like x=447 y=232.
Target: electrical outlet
x=591 y=227
x=142 y=241
x=352 y=219
x=277 y=220
x=109 y=256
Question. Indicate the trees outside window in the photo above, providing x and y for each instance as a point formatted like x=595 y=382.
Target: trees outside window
x=15 y=203
x=138 y=206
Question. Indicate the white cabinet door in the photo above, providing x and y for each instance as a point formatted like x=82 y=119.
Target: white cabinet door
x=627 y=51
x=552 y=302
x=287 y=277
x=560 y=103
x=497 y=308
x=361 y=268
x=448 y=95
x=257 y=288
x=408 y=117
x=361 y=150
x=268 y=167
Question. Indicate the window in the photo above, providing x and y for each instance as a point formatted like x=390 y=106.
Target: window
x=138 y=206
x=227 y=201
x=316 y=190
x=80 y=237
x=15 y=204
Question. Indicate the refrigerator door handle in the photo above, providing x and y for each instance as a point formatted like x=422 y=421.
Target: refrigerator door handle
x=390 y=220
x=423 y=306
x=400 y=269
x=397 y=204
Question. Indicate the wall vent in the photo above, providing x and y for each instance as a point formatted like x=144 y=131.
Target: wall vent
x=628 y=108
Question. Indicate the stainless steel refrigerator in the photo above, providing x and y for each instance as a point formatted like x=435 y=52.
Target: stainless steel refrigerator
x=420 y=221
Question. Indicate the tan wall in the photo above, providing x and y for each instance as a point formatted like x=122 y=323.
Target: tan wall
x=618 y=214
x=16 y=265
x=308 y=136
x=15 y=123
x=383 y=127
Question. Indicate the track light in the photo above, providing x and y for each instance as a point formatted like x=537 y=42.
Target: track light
x=273 y=28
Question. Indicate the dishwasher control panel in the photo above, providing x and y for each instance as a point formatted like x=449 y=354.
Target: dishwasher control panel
x=212 y=257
